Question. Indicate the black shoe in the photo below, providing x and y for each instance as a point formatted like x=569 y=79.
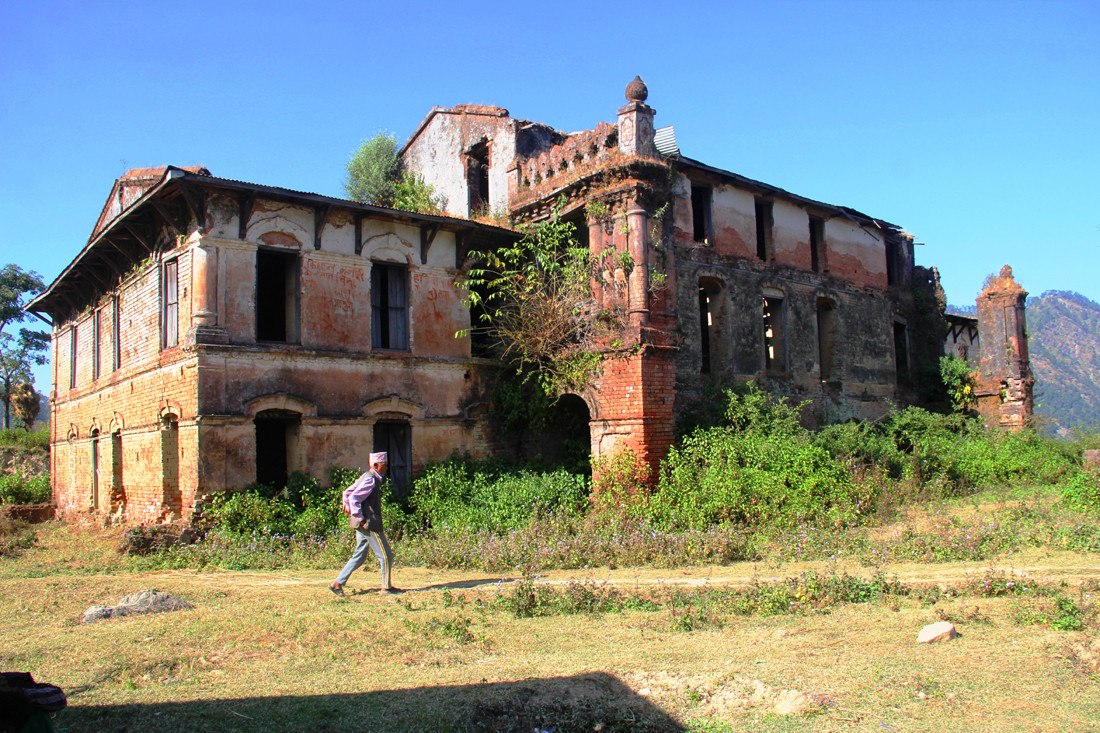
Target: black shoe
x=337 y=589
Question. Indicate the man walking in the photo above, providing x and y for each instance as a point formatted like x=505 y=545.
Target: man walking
x=363 y=504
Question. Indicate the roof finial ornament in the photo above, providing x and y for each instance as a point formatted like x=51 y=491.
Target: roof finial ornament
x=636 y=90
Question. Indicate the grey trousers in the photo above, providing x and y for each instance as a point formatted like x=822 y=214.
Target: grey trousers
x=375 y=541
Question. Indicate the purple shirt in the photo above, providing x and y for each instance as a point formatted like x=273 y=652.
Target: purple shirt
x=357 y=493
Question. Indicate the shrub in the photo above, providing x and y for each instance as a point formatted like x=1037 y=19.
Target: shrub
x=468 y=495
x=1082 y=490
x=17 y=489
x=760 y=468
x=26 y=439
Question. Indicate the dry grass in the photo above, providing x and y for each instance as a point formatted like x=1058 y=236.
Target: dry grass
x=267 y=651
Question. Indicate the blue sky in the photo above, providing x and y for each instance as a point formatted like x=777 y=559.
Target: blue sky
x=973 y=125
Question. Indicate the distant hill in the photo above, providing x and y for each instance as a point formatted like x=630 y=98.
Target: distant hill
x=1064 y=341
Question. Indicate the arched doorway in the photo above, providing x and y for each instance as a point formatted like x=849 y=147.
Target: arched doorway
x=567 y=439
x=276 y=440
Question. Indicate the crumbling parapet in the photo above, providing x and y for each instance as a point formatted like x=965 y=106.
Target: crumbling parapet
x=1005 y=383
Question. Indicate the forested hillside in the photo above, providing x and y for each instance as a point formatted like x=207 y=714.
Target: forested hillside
x=1064 y=336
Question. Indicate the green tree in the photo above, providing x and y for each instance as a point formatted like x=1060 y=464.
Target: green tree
x=18 y=354
x=375 y=177
x=373 y=171
x=26 y=402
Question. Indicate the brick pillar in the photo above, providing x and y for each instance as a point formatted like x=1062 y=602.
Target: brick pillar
x=1005 y=382
x=634 y=398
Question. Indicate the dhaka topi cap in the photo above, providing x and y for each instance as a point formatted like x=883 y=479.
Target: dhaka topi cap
x=379 y=458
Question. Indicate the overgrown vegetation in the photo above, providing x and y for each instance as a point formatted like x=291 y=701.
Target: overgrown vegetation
x=746 y=483
x=374 y=176
x=18 y=489
x=535 y=305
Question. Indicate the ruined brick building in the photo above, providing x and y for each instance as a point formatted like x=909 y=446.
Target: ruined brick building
x=213 y=333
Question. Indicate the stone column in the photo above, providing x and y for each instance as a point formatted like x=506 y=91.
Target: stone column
x=204 y=295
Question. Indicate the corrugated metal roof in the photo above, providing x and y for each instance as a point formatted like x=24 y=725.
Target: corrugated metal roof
x=665 y=140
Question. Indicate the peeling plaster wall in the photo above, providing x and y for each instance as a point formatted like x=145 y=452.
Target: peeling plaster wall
x=219 y=376
x=438 y=154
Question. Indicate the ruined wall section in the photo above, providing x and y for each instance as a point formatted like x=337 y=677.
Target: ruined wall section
x=1005 y=383
x=841 y=313
x=440 y=152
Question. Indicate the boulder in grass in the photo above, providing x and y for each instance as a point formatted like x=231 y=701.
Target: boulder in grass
x=942 y=631
x=144 y=601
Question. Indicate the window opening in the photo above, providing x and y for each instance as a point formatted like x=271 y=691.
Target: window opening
x=477 y=178
x=171 y=314
x=901 y=351
x=775 y=352
x=763 y=229
x=710 y=310
x=826 y=336
x=276 y=438
x=72 y=358
x=116 y=334
x=117 y=490
x=389 y=306
x=394 y=437
x=817 y=244
x=170 y=464
x=700 y=213
x=276 y=296
x=95 y=471
x=96 y=322
x=891 y=262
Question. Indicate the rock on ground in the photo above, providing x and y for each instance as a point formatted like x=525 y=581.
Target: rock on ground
x=942 y=631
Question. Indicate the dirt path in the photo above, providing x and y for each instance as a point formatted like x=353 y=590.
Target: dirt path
x=1069 y=568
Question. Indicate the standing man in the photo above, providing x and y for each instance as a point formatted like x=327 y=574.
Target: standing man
x=363 y=504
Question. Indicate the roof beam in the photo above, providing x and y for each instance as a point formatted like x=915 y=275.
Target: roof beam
x=177 y=226
x=320 y=219
x=427 y=236
x=140 y=239
x=196 y=202
x=245 y=202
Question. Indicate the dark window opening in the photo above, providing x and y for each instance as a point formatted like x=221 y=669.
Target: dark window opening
x=901 y=352
x=389 y=301
x=170 y=464
x=171 y=309
x=763 y=229
x=118 y=491
x=116 y=334
x=891 y=262
x=96 y=322
x=817 y=245
x=826 y=337
x=97 y=502
x=394 y=437
x=276 y=438
x=710 y=310
x=700 y=213
x=477 y=178
x=276 y=296
x=72 y=358
x=775 y=351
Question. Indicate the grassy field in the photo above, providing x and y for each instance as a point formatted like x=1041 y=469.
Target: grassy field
x=658 y=649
